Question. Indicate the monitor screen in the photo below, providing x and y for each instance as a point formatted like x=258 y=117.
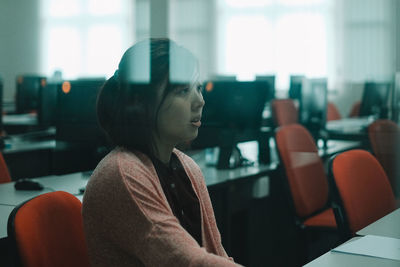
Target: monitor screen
x=313 y=104
x=76 y=120
x=270 y=79
x=47 y=104
x=375 y=99
x=232 y=109
x=27 y=94
x=396 y=98
x=1 y=105
x=296 y=83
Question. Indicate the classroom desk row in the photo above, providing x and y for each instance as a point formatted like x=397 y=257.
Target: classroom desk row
x=73 y=182
x=388 y=227
x=244 y=201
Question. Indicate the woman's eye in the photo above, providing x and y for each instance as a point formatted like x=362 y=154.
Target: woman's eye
x=184 y=91
x=200 y=88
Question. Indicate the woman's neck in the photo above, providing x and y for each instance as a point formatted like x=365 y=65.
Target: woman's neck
x=162 y=151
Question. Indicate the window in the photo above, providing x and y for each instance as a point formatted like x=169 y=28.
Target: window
x=286 y=37
x=84 y=37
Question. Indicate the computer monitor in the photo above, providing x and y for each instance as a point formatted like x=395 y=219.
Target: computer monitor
x=232 y=114
x=47 y=104
x=76 y=120
x=375 y=99
x=313 y=105
x=396 y=98
x=296 y=83
x=27 y=93
x=270 y=79
x=1 y=106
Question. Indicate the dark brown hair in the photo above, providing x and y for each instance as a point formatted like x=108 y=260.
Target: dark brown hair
x=126 y=104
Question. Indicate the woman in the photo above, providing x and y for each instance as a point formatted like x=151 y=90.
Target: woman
x=146 y=203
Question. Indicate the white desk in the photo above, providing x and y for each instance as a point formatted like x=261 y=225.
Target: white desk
x=20 y=119
x=336 y=259
x=388 y=225
x=4 y=212
x=70 y=183
x=73 y=182
x=214 y=176
x=336 y=146
x=349 y=125
x=9 y=197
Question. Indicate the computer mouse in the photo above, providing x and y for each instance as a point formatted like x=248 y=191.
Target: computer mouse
x=27 y=184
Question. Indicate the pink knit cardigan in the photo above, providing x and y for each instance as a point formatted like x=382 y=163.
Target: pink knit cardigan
x=128 y=221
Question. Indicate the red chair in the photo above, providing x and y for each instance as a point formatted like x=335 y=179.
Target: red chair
x=384 y=137
x=4 y=173
x=306 y=176
x=355 y=109
x=307 y=189
x=332 y=112
x=48 y=231
x=284 y=112
x=363 y=193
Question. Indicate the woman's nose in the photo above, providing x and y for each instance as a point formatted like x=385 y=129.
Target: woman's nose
x=198 y=101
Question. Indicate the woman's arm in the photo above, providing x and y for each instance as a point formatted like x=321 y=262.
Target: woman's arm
x=136 y=219
x=164 y=241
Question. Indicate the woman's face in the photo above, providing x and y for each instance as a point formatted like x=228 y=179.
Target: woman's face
x=179 y=116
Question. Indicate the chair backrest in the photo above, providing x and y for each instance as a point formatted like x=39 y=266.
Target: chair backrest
x=304 y=169
x=363 y=190
x=384 y=137
x=4 y=173
x=48 y=231
x=284 y=112
x=332 y=112
x=355 y=109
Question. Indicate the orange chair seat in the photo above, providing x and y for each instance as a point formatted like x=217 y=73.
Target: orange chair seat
x=323 y=219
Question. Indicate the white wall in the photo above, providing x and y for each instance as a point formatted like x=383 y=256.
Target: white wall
x=19 y=41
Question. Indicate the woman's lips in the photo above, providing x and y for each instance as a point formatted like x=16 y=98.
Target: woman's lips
x=196 y=123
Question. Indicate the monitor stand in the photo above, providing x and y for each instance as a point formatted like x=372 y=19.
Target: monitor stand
x=231 y=157
x=224 y=158
x=226 y=144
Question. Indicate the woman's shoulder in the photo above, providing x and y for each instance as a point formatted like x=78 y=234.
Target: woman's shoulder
x=122 y=162
x=122 y=157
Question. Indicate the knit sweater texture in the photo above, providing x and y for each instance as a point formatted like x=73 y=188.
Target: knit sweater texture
x=128 y=221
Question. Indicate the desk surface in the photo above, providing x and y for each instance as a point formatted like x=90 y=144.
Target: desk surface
x=349 y=125
x=336 y=146
x=25 y=146
x=349 y=128
x=20 y=119
x=336 y=259
x=70 y=183
x=4 y=211
x=214 y=176
x=388 y=225
x=9 y=197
